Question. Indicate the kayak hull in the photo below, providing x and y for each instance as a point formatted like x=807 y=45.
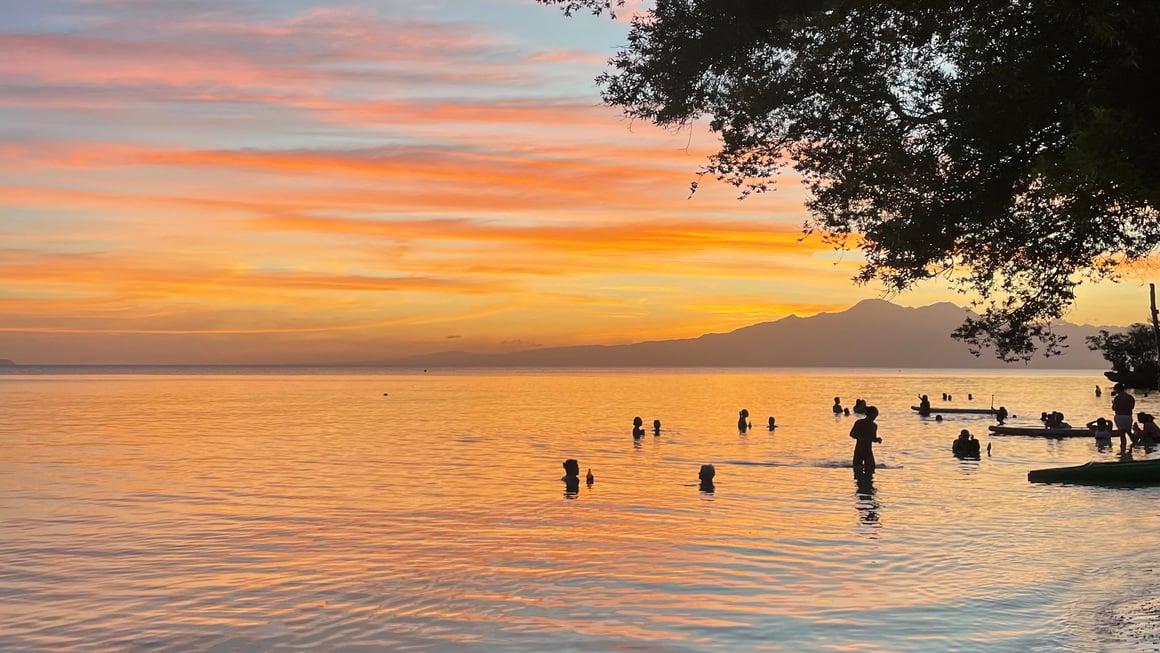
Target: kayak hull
x=1137 y=472
x=1040 y=432
x=969 y=411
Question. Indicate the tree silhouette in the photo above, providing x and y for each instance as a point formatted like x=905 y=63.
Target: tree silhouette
x=1009 y=147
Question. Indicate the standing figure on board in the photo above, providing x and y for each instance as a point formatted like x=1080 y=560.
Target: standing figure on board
x=865 y=434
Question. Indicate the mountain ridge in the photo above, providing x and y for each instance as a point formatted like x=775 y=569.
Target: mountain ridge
x=871 y=333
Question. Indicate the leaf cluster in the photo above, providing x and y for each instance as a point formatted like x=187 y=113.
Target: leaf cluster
x=1131 y=351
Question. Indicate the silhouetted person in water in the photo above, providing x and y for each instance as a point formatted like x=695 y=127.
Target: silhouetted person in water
x=970 y=397
x=860 y=406
x=590 y=479
x=1122 y=405
x=571 y=476
x=837 y=405
x=1098 y=391
x=772 y=423
x=706 y=475
x=865 y=434
x=1001 y=414
x=637 y=428
x=924 y=406
x=965 y=446
x=743 y=420
x=656 y=427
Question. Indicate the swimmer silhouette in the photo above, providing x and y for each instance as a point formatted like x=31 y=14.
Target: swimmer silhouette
x=571 y=477
x=966 y=446
x=743 y=420
x=571 y=469
x=637 y=428
x=772 y=423
x=590 y=478
x=707 y=473
x=656 y=427
x=837 y=405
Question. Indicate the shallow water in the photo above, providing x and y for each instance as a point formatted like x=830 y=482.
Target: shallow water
x=309 y=511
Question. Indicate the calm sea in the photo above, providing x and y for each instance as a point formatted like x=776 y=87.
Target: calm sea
x=336 y=510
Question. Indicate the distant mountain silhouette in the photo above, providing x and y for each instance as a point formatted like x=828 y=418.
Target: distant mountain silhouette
x=873 y=333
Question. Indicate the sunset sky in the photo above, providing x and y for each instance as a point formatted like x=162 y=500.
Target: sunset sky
x=213 y=181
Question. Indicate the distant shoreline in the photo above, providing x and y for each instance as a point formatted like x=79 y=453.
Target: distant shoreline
x=113 y=369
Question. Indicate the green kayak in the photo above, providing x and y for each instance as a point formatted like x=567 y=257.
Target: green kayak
x=1135 y=472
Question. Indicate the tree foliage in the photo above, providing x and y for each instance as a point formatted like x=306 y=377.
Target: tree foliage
x=1131 y=351
x=1010 y=147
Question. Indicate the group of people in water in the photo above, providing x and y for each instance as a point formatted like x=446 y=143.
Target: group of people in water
x=859 y=407
x=864 y=432
x=743 y=423
x=1142 y=429
x=638 y=428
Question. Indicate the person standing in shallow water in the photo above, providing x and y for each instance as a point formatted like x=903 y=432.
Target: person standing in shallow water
x=865 y=434
x=743 y=420
x=1123 y=403
x=637 y=428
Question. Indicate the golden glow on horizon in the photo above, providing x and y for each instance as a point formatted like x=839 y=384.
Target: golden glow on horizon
x=379 y=182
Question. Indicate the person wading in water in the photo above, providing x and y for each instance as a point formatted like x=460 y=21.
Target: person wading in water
x=865 y=434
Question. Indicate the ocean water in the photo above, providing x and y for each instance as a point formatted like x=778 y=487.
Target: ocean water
x=188 y=509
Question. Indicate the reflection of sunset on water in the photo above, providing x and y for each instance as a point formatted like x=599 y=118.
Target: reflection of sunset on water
x=313 y=510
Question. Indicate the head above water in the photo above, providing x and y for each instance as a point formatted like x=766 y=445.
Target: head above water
x=571 y=467
x=964 y=434
x=744 y=412
x=707 y=473
x=637 y=421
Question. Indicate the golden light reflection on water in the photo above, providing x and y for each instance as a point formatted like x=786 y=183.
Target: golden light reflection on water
x=259 y=512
